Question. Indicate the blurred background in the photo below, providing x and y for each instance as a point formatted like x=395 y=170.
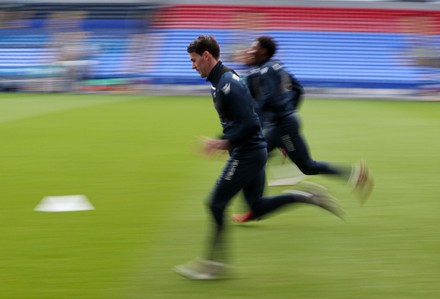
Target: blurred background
x=354 y=48
x=79 y=115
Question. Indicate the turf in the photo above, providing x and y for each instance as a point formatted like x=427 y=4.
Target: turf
x=132 y=157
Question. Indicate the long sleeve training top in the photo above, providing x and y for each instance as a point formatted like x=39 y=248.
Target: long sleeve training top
x=235 y=107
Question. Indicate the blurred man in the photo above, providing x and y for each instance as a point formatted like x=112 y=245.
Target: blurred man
x=245 y=169
x=277 y=95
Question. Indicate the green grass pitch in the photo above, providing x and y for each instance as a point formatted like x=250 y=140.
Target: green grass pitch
x=132 y=157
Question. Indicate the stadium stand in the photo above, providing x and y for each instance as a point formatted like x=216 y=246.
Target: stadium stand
x=327 y=47
x=50 y=40
x=324 y=46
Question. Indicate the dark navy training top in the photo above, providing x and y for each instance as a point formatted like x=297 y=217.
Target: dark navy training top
x=276 y=92
x=235 y=107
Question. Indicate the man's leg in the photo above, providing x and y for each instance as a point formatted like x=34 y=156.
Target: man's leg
x=241 y=170
x=297 y=150
x=238 y=172
x=358 y=175
x=312 y=196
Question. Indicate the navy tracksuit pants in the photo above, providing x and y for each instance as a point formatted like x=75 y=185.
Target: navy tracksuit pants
x=285 y=133
x=244 y=171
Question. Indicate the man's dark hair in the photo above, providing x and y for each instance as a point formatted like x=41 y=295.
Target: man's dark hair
x=266 y=42
x=205 y=43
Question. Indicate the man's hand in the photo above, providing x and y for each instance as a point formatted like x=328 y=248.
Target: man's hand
x=212 y=146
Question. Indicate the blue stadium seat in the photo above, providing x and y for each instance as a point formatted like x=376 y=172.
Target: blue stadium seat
x=317 y=58
x=332 y=59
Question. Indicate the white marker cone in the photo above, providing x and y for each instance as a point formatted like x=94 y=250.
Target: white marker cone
x=64 y=203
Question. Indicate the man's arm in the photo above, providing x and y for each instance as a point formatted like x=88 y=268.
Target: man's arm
x=244 y=123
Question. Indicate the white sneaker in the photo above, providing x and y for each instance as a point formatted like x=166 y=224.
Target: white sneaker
x=201 y=269
x=361 y=181
x=318 y=195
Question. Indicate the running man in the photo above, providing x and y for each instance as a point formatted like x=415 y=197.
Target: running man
x=277 y=95
x=245 y=169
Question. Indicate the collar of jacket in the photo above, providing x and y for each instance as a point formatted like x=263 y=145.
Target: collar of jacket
x=264 y=62
x=215 y=74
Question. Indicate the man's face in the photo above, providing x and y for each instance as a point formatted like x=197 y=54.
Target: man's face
x=200 y=63
x=256 y=53
x=249 y=57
